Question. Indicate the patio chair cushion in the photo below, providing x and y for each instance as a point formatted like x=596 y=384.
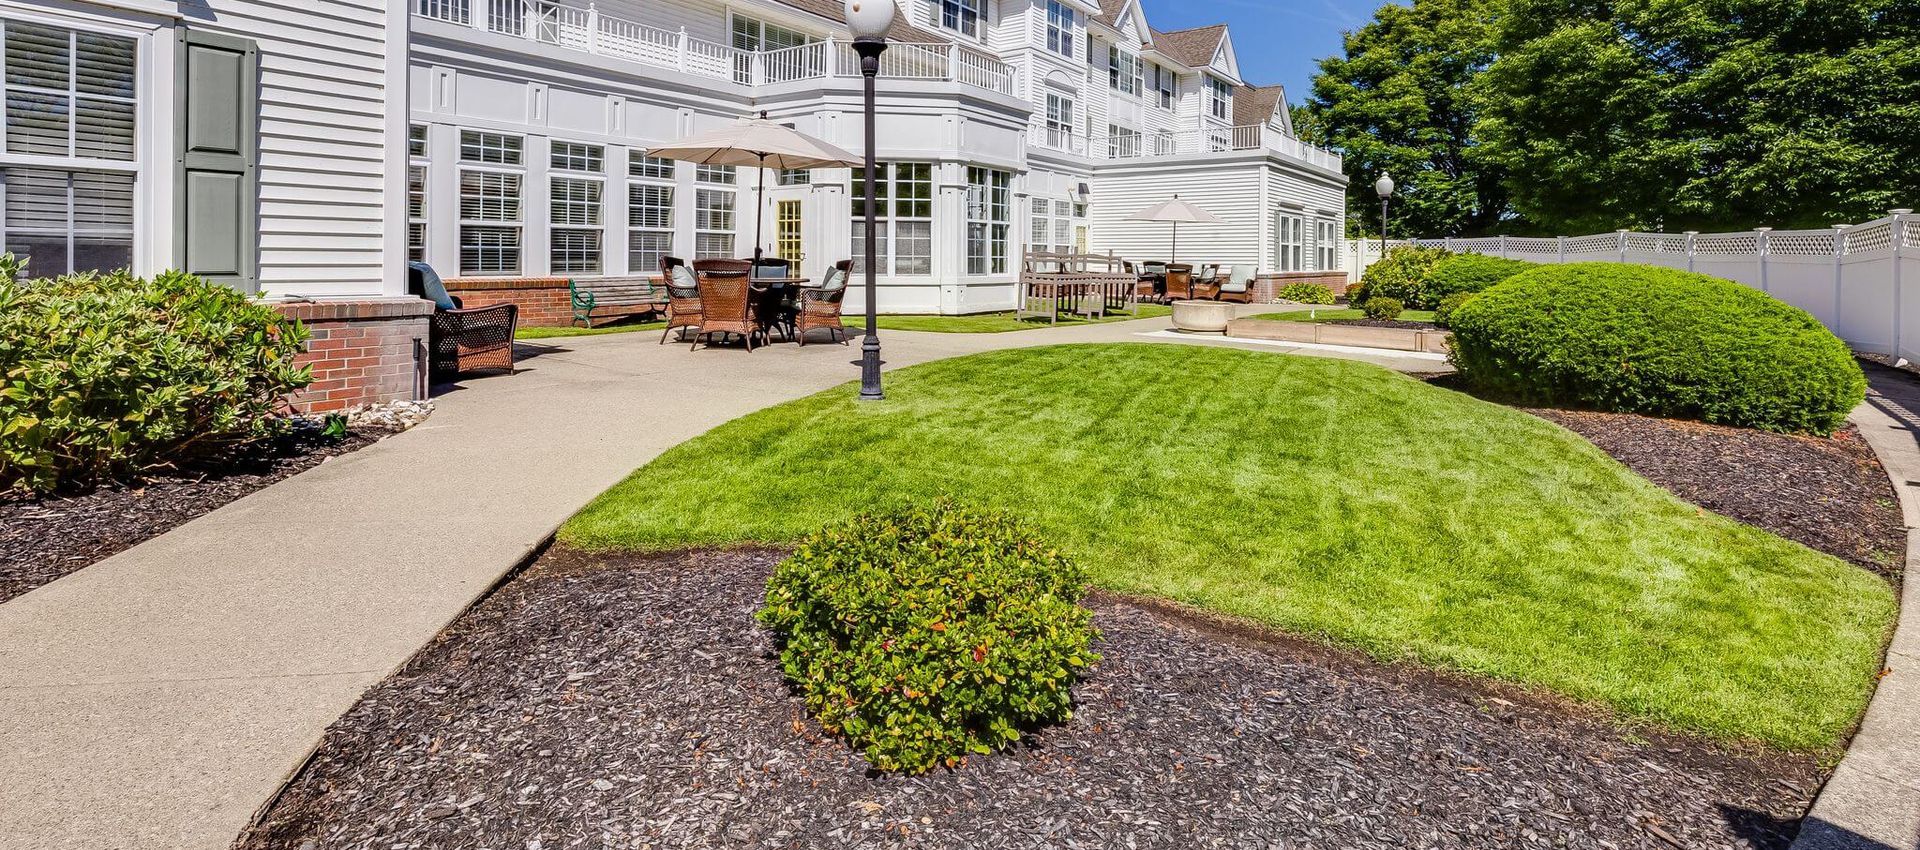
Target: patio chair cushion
x=432 y=289
x=1238 y=280
x=770 y=268
x=683 y=278
x=835 y=279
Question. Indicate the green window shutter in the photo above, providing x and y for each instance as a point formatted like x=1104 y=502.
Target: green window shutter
x=216 y=230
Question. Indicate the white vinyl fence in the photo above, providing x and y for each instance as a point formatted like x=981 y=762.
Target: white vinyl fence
x=1862 y=281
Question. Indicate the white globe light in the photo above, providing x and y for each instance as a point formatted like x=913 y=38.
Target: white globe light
x=870 y=18
x=1384 y=186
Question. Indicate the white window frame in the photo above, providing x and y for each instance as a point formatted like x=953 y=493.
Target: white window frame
x=1059 y=120
x=894 y=213
x=989 y=220
x=419 y=168
x=73 y=166
x=1219 y=98
x=714 y=221
x=1061 y=23
x=1326 y=247
x=969 y=17
x=478 y=157
x=645 y=174
x=1122 y=142
x=1123 y=71
x=1289 y=241
x=1166 y=84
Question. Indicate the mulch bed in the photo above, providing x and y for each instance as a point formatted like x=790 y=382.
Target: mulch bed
x=635 y=703
x=1388 y=323
x=1830 y=494
x=44 y=539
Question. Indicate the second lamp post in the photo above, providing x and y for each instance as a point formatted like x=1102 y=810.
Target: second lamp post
x=869 y=20
x=1383 y=187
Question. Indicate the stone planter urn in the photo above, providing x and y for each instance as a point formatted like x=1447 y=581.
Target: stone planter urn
x=1202 y=317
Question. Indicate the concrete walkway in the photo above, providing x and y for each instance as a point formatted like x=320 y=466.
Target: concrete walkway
x=156 y=699
x=1872 y=801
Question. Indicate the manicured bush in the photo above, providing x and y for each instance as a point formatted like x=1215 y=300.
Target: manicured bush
x=1356 y=294
x=110 y=376
x=1382 y=308
x=1656 y=341
x=1468 y=273
x=1443 y=314
x=1403 y=275
x=1306 y=293
x=926 y=635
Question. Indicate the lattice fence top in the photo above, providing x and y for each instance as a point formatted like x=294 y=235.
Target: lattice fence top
x=1801 y=243
x=1598 y=242
x=1726 y=243
x=1870 y=238
x=1657 y=243
x=1485 y=243
x=1532 y=245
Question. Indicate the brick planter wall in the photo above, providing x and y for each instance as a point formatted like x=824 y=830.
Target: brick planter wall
x=361 y=351
x=544 y=301
x=1266 y=287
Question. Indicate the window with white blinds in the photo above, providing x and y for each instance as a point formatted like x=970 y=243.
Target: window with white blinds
x=490 y=203
x=69 y=97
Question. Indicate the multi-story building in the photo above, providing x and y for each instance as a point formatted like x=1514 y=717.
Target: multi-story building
x=309 y=148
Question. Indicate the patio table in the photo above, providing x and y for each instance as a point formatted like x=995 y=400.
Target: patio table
x=770 y=299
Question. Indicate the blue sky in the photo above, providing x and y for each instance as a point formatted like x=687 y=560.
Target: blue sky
x=1277 y=41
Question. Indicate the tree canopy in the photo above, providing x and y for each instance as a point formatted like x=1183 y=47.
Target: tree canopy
x=1590 y=115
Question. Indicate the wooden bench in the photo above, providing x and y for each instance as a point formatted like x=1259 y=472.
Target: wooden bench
x=614 y=297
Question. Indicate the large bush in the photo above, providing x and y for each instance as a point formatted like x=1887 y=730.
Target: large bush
x=925 y=635
x=1469 y=273
x=111 y=376
x=1656 y=341
x=1402 y=275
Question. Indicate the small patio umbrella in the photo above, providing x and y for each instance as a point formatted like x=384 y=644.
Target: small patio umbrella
x=760 y=143
x=1175 y=211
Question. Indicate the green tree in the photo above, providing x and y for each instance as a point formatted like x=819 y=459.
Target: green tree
x=1400 y=100
x=1704 y=114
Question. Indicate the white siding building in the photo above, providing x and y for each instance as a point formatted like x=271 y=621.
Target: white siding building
x=309 y=148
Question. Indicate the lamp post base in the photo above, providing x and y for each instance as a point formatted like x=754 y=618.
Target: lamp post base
x=870 y=364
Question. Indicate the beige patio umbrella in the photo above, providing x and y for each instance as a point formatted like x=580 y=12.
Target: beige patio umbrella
x=1175 y=211
x=763 y=144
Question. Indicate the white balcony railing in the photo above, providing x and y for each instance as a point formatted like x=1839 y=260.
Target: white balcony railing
x=585 y=29
x=1055 y=136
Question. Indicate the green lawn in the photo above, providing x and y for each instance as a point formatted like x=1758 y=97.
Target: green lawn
x=1322 y=497
x=1336 y=314
x=986 y=323
x=553 y=333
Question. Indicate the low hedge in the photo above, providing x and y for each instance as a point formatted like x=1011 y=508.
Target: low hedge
x=1306 y=293
x=925 y=635
x=112 y=377
x=1469 y=273
x=1403 y=275
x=1382 y=308
x=1656 y=341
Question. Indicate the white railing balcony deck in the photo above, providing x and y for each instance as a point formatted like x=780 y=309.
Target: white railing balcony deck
x=1053 y=136
x=585 y=29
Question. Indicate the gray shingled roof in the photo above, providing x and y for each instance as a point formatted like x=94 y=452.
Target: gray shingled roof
x=1110 y=12
x=1256 y=104
x=1193 y=48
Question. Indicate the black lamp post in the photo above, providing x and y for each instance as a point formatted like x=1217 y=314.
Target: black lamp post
x=870 y=20
x=1384 y=188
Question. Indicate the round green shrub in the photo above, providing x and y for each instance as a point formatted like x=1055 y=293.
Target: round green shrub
x=1656 y=341
x=1382 y=308
x=111 y=377
x=1306 y=293
x=925 y=635
x=1469 y=273
x=1403 y=275
x=1443 y=314
x=1356 y=294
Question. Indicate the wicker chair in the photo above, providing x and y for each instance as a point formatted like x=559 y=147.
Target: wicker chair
x=1239 y=285
x=1206 y=282
x=820 y=305
x=1179 y=281
x=774 y=309
x=683 y=296
x=1154 y=276
x=463 y=339
x=726 y=300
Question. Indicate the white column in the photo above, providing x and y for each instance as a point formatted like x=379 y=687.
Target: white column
x=613 y=214
x=1689 y=246
x=443 y=199
x=1898 y=232
x=536 y=258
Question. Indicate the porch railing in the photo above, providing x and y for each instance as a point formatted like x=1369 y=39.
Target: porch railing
x=586 y=29
x=1252 y=137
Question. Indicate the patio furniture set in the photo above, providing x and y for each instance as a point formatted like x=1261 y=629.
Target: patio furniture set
x=1092 y=286
x=751 y=299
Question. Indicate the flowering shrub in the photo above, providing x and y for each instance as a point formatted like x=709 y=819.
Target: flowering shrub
x=111 y=376
x=925 y=635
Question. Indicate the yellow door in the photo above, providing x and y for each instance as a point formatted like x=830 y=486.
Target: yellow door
x=786 y=239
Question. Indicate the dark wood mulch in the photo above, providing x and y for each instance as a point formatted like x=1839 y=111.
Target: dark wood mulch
x=1388 y=323
x=635 y=703
x=1830 y=494
x=44 y=539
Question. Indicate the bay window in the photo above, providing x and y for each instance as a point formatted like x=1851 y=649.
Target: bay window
x=490 y=202
x=989 y=193
x=903 y=229
x=69 y=101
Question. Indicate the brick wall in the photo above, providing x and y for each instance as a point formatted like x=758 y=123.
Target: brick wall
x=362 y=352
x=544 y=301
x=1267 y=287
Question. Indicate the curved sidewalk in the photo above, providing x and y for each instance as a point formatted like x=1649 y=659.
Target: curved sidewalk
x=156 y=699
x=1872 y=801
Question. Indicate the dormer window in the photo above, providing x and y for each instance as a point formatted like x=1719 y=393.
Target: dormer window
x=1060 y=20
x=963 y=16
x=1123 y=71
x=1219 y=98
